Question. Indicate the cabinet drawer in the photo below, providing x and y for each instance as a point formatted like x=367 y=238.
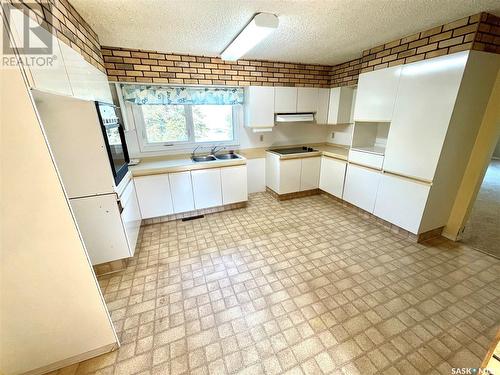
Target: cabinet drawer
x=366 y=158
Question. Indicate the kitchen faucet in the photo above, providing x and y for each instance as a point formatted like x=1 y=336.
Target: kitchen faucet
x=214 y=149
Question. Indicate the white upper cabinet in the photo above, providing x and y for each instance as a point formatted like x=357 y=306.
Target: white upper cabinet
x=307 y=99
x=234 y=184
x=401 y=201
x=182 y=191
x=376 y=95
x=332 y=176
x=340 y=105
x=309 y=176
x=87 y=81
x=322 y=111
x=207 y=188
x=153 y=194
x=259 y=107
x=285 y=99
x=426 y=98
x=51 y=77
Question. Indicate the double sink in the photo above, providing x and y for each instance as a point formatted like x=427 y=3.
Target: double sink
x=229 y=156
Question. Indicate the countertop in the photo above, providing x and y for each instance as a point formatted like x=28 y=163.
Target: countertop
x=178 y=163
x=325 y=149
x=183 y=162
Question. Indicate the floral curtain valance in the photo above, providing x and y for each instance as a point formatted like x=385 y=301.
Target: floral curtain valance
x=142 y=94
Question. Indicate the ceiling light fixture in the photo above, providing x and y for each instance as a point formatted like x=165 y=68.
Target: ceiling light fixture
x=261 y=25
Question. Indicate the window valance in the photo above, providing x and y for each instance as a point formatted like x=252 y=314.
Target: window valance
x=151 y=94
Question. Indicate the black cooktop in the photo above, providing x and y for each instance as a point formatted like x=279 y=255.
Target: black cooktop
x=292 y=150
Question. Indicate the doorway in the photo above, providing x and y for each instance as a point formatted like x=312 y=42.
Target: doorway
x=482 y=230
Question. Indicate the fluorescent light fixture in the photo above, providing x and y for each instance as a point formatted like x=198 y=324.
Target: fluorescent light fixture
x=261 y=25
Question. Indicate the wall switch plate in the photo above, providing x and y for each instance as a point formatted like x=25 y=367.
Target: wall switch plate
x=333 y=135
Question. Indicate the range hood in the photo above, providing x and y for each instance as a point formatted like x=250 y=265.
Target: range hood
x=294 y=117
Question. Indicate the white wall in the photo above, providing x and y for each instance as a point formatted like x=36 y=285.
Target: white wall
x=51 y=308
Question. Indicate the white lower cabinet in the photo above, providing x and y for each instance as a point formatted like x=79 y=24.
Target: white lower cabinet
x=131 y=216
x=332 y=176
x=153 y=193
x=234 y=184
x=182 y=191
x=361 y=185
x=98 y=219
x=207 y=189
x=289 y=176
x=401 y=201
x=309 y=176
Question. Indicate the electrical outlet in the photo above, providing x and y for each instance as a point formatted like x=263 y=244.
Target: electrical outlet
x=333 y=135
x=262 y=138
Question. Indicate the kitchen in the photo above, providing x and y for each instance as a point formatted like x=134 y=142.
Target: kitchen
x=251 y=209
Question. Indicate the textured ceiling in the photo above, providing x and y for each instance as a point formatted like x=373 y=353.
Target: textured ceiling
x=310 y=31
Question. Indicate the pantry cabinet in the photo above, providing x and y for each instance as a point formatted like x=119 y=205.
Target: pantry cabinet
x=376 y=95
x=424 y=105
x=182 y=191
x=234 y=184
x=154 y=196
x=332 y=176
x=259 y=107
x=361 y=185
x=207 y=189
x=401 y=201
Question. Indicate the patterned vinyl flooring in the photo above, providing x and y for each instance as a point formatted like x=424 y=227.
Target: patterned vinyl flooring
x=304 y=286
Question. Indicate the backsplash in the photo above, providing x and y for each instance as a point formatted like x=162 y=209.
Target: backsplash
x=61 y=18
x=477 y=32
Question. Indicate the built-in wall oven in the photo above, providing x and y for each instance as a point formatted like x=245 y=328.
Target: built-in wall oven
x=114 y=138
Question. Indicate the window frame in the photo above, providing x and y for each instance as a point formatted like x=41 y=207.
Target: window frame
x=146 y=146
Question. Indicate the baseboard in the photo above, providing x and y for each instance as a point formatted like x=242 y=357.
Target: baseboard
x=75 y=359
x=204 y=211
x=298 y=194
x=110 y=267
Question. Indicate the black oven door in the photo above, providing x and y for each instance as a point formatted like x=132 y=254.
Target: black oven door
x=114 y=138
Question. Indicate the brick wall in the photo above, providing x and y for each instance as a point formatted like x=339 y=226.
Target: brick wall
x=132 y=65
x=65 y=22
x=478 y=32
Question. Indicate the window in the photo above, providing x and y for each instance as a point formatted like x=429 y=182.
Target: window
x=183 y=125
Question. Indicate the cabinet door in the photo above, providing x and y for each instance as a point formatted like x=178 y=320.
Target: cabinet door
x=323 y=103
x=376 y=95
x=426 y=98
x=307 y=99
x=332 y=176
x=289 y=176
x=285 y=99
x=361 y=185
x=153 y=193
x=309 y=176
x=182 y=191
x=259 y=107
x=53 y=77
x=234 y=184
x=131 y=216
x=99 y=221
x=401 y=201
x=206 y=188
x=340 y=106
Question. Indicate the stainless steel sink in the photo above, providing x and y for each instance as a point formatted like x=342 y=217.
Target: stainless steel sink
x=227 y=156
x=203 y=158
